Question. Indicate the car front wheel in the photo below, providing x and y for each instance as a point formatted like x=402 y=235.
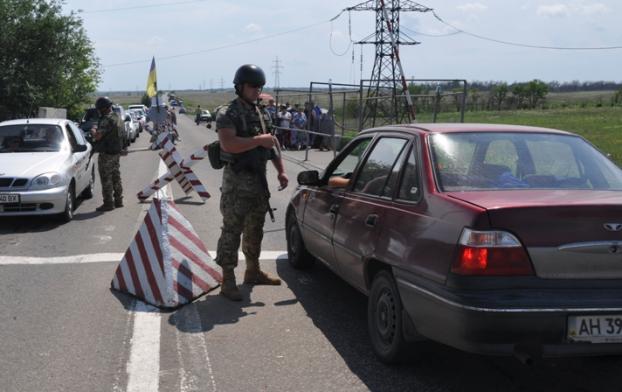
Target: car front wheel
x=297 y=254
x=384 y=319
x=67 y=215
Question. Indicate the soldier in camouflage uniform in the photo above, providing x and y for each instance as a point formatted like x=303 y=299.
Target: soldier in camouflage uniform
x=108 y=143
x=244 y=200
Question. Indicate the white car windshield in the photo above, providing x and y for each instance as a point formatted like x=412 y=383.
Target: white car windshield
x=30 y=138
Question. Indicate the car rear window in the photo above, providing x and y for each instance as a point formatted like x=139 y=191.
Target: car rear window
x=506 y=160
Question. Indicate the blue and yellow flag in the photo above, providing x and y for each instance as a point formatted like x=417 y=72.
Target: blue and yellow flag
x=152 y=80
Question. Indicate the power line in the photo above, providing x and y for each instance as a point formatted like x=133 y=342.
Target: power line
x=330 y=40
x=430 y=35
x=524 y=45
x=219 y=47
x=519 y=44
x=135 y=7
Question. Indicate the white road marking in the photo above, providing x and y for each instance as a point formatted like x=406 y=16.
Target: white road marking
x=116 y=385
x=143 y=368
x=192 y=351
x=102 y=239
x=270 y=255
x=76 y=259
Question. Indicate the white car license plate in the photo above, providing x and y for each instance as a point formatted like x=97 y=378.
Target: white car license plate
x=595 y=329
x=6 y=198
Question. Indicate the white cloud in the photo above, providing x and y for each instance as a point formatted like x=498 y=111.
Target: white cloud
x=472 y=7
x=553 y=10
x=578 y=8
x=253 y=28
x=596 y=8
x=155 y=41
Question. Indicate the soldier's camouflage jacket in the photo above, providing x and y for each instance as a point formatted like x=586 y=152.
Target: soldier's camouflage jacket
x=112 y=139
x=245 y=120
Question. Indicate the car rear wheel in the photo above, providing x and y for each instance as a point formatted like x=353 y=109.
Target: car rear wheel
x=384 y=319
x=297 y=254
x=67 y=215
x=89 y=191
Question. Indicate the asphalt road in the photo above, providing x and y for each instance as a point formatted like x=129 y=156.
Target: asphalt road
x=63 y=329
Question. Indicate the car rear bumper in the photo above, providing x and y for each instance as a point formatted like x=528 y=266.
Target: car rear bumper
x=44 y=202
x=496 y=327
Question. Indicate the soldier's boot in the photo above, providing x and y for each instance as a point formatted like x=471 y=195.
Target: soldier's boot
x=255 y=276
x=228 y=288
x=107 y=206
x=118 y=203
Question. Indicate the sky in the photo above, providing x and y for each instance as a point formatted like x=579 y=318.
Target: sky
x=200 y=44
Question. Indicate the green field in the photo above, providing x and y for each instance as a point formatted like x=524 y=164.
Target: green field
x=601 y=126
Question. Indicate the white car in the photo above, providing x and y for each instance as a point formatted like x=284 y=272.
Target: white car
x=133 y=126
x=144 y=109
x=45 y=164
x=141 y=117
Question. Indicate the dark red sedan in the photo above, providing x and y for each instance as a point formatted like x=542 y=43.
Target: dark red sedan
x=493 y=239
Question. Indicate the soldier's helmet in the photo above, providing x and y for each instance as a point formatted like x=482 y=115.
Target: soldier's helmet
x=103 y=103
x=251 y=74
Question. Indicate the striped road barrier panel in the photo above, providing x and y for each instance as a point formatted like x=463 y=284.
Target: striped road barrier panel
x=179 y=169
x=166 y=265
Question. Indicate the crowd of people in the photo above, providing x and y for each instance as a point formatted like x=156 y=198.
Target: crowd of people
x=292 y=123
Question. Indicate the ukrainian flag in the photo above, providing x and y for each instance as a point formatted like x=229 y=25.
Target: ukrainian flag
x=152 y=80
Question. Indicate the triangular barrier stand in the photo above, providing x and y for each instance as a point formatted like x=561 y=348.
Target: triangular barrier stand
x=166 y=264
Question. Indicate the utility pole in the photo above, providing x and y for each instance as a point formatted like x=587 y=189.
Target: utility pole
x=277 y=72
x=387 y=94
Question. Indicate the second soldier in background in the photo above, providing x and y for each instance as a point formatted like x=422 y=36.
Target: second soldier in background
x=109 y=144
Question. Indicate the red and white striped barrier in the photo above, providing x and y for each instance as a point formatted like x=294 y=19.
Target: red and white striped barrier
x=179 y=169
x=167 y=264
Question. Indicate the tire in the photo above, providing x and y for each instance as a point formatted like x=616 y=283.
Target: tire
x=384 y=319
x=89 y=191
x=70 y=202
x=297 y=254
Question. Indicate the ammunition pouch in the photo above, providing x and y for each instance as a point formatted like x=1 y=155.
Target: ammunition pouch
x=214 y=155
x=249 y=161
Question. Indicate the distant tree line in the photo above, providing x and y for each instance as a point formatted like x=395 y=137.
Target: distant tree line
x=557 y=87
x=494 y=95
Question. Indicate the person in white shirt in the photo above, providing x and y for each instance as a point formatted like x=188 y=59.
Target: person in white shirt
x=285 y=119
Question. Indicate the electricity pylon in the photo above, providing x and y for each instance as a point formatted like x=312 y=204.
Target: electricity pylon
x=387 y=94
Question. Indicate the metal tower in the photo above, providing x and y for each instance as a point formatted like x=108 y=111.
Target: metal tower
x=277 y=72
x=387 y=95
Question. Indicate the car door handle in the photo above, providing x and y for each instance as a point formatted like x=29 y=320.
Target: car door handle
x=371 y=220
x=333 y=209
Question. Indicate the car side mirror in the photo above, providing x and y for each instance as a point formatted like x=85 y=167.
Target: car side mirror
x=127 y=118
x=309 y=177
x=80 y=148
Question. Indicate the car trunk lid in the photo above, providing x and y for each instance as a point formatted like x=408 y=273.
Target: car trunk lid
x=569 y=234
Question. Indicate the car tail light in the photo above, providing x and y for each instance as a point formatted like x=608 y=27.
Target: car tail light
x=492 y=252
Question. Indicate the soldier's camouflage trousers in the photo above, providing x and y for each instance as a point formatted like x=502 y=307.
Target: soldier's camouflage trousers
x=241 y=216
x=110 y=176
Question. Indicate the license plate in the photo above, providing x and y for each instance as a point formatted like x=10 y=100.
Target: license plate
x=6 y=198
x=595 y=329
